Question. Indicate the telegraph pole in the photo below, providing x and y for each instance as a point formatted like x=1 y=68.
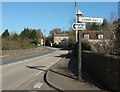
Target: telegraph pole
x=44 y=38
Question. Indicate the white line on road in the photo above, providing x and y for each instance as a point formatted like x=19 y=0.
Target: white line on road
x=38 y=85
x=47 y=67
x=38 y=73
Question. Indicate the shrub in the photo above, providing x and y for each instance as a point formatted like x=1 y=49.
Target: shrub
x=15 y=44
x=85 y=45
x=35 y=42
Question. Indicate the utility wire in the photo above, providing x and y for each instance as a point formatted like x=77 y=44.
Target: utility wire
x=72 y=16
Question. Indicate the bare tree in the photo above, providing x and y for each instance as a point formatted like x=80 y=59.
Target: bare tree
x=113 y=17
x=117 y=36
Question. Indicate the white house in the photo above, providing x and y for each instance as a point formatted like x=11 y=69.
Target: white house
x=61 y=39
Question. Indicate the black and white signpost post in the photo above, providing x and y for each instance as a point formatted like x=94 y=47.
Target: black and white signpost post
x=79 y=56
x=81 y=25
x=79 y=14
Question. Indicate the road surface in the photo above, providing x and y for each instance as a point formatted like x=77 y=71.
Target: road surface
x=28 y=74
x=20 y=58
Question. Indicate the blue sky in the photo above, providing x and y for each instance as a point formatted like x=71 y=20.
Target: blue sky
x=49 y=15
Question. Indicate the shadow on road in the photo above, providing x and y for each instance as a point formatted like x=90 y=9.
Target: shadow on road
x=36 y=67
x=63 y=74
x=62 y=55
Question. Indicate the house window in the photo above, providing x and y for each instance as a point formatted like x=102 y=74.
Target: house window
x=86 y=36
x=100 y=36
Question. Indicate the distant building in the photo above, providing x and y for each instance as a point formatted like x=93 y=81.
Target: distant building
x=91 y=36
x=96 y=36
x=61 y=39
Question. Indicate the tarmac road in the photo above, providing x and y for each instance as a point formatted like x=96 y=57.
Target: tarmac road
x=28 y=74
x=21 y=58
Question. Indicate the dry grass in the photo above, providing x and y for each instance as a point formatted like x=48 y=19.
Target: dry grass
x=9 y=54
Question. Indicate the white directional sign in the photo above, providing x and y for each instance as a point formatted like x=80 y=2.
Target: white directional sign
x=88 y=19
x=79 y=26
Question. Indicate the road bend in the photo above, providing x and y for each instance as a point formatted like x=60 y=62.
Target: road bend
x=28 y=74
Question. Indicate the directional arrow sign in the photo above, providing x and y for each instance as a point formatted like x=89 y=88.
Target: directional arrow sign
x=79 y=26
x=88 y=19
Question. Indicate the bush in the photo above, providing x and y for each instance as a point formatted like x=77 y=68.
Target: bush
x=15 y=44
x=117 y=35
x=35 y=42
x=85 y=45
x=55 y=45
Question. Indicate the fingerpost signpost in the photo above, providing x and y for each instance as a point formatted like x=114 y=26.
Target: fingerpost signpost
x=81 y=25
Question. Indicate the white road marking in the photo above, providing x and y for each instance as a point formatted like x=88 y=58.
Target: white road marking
x=47 y=67
x=38 y=73
x=38 y=85
x=53 y=63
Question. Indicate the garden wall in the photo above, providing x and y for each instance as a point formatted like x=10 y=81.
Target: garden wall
x=105 y=69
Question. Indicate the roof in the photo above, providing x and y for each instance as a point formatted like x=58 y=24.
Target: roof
x=59 y=35
x=94 y=34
